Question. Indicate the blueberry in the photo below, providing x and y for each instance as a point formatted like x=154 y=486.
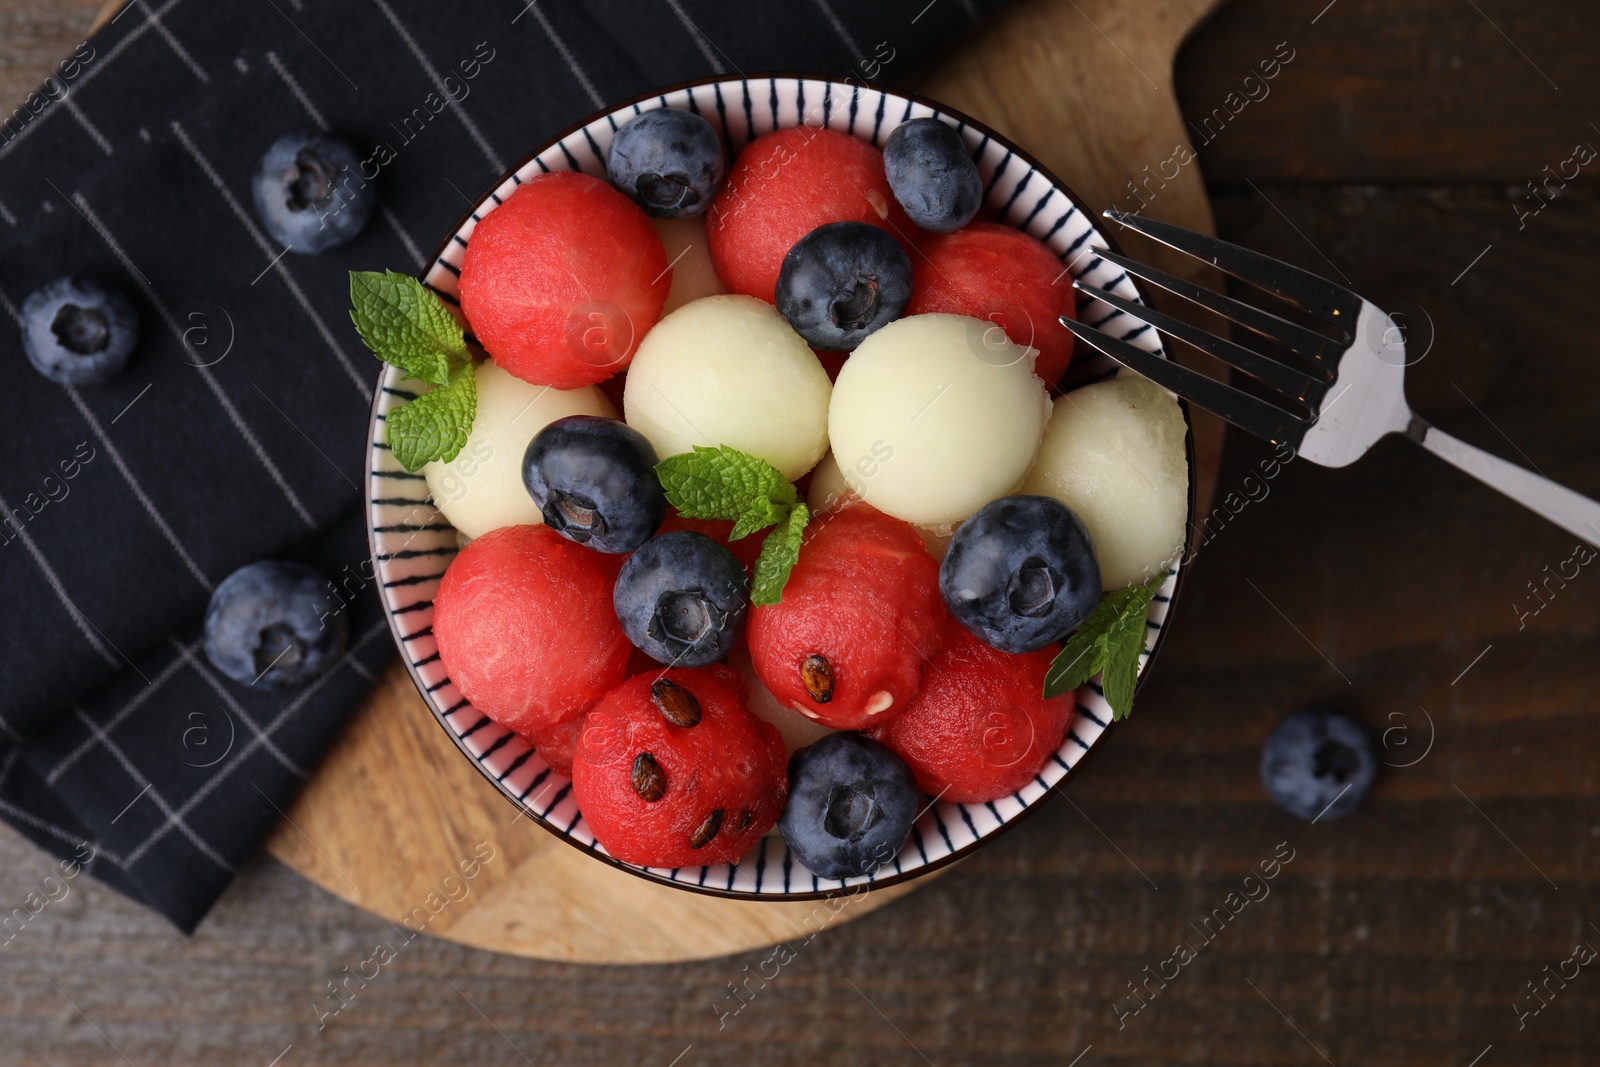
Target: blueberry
x=595 y=481
x=842 y=282
x=269 y=625
x=669 y=161
x=310 y=192
x=851 y=805
x=1319 y=764
x=78 y=331
x=1021 y=573
x=682 y=599
x=932 y=176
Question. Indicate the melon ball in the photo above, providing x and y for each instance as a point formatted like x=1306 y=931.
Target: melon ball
x=828 y=490
x=690 y=257
x=934 y=416
x=481 y=489
x=1115 y=455
x=728 y=370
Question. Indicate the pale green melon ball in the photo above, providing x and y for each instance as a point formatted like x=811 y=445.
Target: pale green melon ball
x=932 y=417
x=729 y=370
x=1114 y=454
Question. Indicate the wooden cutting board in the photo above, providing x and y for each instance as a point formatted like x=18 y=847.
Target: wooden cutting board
x=393 y=810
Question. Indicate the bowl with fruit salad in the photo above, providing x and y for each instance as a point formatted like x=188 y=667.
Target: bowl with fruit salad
x=742 y=509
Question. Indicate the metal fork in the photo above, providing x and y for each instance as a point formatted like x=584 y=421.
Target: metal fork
x=1355 y=394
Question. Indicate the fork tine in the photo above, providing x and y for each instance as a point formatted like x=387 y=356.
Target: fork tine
x=1280 y=376
x=1243 y=410
x=1291 y=335
x=1333 y=303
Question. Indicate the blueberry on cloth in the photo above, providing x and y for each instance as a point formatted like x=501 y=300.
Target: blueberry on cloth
x=272 y=625
x=310 y=192
x=78 y=330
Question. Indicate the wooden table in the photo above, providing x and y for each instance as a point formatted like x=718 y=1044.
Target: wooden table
x=1392 y=149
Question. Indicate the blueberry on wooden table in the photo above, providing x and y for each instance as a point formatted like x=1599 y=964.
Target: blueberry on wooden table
x=272 y=625
x=310 y=192
x=1319 y=764
x=78 y=330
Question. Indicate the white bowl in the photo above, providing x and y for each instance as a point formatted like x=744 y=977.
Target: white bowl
x=412 y=542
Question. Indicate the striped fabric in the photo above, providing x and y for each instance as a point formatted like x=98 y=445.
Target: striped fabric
x=237 y=431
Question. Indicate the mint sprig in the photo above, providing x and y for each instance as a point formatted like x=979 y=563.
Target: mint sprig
x=725 y=483
x=1108 y=642
x=779 y=552
x=408 y=327
x=435 y=425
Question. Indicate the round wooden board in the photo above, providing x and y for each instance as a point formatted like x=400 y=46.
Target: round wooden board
x=1086 y=87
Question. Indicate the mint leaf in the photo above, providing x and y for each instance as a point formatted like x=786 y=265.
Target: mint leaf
x=724 y=483
x=434 y=425
x=1108 y=642
x=778 y=554
x=406 y=325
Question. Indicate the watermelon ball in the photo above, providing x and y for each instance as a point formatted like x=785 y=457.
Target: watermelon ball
x=525 y=628
x=932 y=176
x=671 y=770
x=1001 y=275
x=841 y=282
x=851 y=806
x=561 y=281
x=784 y=185
x=858 y=622
x=683 y=599
x=555 y=744
x=979 y=730
x=1021 y=573
x=668 y=161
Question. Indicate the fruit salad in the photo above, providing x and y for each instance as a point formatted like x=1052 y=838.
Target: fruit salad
x=775 y=514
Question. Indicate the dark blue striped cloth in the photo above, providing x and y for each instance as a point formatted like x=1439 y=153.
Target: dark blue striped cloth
x=236 y=432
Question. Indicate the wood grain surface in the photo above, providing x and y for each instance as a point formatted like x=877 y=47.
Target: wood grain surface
x=394 y=804
x=1404 y=935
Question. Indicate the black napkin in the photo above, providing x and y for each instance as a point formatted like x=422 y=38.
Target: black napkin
x=237 y=431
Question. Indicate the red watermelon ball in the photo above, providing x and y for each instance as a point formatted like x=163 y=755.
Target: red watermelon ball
x=1001 y=275
x=560 y=282
x=525 y=627
x=979 y=728
x=784 y=185
x=672 y=770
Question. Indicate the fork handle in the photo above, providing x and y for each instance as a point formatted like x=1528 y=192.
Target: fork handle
x=1576 y=514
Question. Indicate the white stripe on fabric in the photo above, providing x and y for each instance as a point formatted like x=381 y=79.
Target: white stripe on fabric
x=116 y=720
x=154 y=19
x=138 y=490
x=363 y=386
x=205 y=372
x=438 y=83
x=228 y=768
x=90 y=631
x=234 y=705
x=568 y=58
x=93 y=68
x=139 y=779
